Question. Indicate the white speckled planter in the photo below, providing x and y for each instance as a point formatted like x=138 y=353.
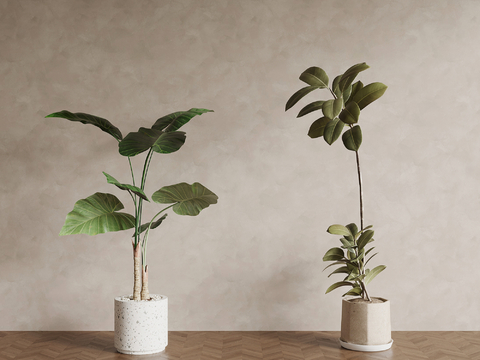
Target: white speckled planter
x=141 y=327
x=366 y=326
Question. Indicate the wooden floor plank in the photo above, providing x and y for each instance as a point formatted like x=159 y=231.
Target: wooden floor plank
x=239 y=345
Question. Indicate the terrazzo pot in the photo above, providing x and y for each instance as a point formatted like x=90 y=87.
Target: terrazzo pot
x=141 y=327
x=366 y=325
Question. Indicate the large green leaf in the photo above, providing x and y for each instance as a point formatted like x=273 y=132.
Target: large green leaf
x=97 y=214
x=337 y=229
x=369 y=93
x=176 y=120
x=331 y=108
x=144 y=139
x=318 y=126
x=334 y=254
x=352 y=138
x=350 y=75
x=316 y=105
x=155 y=224
x=315 y=76
x=374 y=272
x=335 y=88
x=350 y=113
x=132 y=188
x=365 y=238
x=298 y=95
x=333 y=130
x=189 y=199
x=353 y=229
x=99 y=122
x=337 y=285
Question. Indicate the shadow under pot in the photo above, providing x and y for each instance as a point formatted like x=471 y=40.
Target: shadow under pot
x=366 y=325
x=141 y=327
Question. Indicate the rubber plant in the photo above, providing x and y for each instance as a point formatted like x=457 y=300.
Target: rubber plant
x=341 y=115
x=99 y=213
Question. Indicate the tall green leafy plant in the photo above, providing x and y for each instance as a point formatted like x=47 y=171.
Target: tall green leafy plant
x=100 y=212
x=340 y=112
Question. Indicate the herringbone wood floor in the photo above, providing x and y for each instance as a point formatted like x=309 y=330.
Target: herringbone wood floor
x=238 y=345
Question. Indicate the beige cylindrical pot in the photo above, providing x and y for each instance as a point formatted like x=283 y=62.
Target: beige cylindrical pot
x=366 y=325
x=141 y=327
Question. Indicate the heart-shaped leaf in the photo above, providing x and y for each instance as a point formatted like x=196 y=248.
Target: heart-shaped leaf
x=97 y=214
x=134 y=189
x=315 y=76
x=333 y=130
x=369 y=93
x=298 y=95
x=350 y=113
x=189 y=199
x=318 y=126
x=352 y=138
x=99 y=122
x=176 y=120
x=144 y=139
x=316 y=105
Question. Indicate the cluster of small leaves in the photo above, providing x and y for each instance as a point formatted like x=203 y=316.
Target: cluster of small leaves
x=343 y=110
x=351 y=257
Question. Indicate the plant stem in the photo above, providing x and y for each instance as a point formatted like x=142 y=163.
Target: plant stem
x=360 y=189
x=137 y=270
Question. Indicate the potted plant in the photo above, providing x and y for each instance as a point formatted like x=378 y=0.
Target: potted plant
x=141 y=325
x=365 y=319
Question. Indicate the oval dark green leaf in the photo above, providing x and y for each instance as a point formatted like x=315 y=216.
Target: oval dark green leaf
x=337 y=229
x=316 y=105
x=350 y=113
x=317 y=128
x=333 y=130
x=352 y=138
x=315 y=76
x=369 y=93
x=176 y=120
x=350 y=75
x=298 y=95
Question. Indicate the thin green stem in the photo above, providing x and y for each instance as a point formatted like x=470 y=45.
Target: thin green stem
x=147 y=232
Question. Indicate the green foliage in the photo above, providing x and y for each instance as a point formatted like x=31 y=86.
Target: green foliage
x=343 y=110
x=354 y=242
x=188 y=199
x=97 y=214
x=99 y=122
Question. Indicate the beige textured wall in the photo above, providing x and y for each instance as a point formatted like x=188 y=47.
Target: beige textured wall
x=254 y=261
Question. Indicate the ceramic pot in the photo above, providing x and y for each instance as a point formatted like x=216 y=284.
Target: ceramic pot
x=366 y=325
x=141 y=327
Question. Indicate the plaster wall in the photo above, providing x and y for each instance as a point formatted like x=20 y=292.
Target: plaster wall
x=254 y=260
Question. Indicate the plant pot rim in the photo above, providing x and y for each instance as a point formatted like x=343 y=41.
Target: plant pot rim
x=129 y=298
x=349 y=300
